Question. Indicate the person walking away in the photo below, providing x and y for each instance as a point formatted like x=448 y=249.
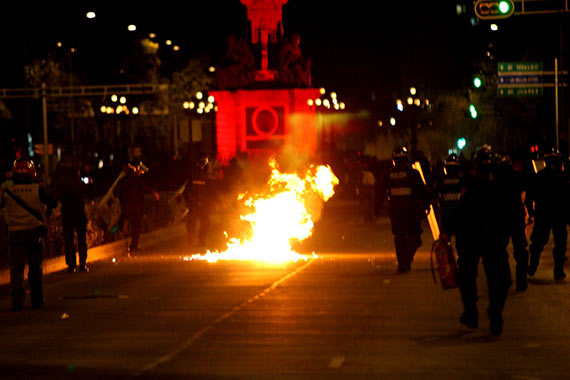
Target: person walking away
x=485 y=223
x=408 y=202
x=517 y=183
x=25 y=202
x=131 y=192
x=70 y=191
x=547 y=203
x=448 y=189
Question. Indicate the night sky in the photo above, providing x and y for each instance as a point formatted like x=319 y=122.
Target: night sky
x=363 y=49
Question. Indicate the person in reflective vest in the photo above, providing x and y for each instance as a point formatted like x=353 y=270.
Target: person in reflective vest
x=408 y=200
x=25 y=202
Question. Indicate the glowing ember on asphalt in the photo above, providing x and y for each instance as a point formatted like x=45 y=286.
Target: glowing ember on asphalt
x=283 y=214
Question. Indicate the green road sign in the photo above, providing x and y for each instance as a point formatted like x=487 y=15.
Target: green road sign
x=519 y=67
x=521 y=91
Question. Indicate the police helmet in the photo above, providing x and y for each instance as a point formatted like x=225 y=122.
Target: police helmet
x=484 y=159
x=400 y=156
x=553 y=159
x=24 y=169
x=203 y=163
x=452 y=159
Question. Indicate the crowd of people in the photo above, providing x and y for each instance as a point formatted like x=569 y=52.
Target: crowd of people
x=481 y=204
x=28 y=201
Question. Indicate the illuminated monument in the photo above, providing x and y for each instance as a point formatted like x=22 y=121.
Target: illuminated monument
x=263 y=106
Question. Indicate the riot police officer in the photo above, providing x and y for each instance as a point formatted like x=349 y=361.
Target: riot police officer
x=548 y=193
x=408 y=201
x=448 y=190
x=485 y=223
x=25 y=203
x=199 y=196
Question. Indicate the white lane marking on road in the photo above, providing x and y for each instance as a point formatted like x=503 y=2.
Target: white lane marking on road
x=185 y=345
x=337 y=362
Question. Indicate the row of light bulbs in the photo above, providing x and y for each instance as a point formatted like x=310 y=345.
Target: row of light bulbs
x=334 y=103
x=119 y=109
x=204 y=106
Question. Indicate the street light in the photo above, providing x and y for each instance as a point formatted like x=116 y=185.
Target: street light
x=400 y=105
x=132 y=28
x=392 y=121
x=90 y=15
x=412 y=90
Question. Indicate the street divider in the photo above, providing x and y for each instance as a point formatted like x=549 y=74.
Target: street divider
x=108 y=251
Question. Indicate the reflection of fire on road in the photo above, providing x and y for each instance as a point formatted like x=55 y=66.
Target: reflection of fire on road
x=283 y=214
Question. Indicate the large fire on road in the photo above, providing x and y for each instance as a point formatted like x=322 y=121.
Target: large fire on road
x=282 y=214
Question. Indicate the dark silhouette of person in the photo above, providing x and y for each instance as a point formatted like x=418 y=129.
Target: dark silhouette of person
x=548 y=192
x=199 y=196
x=131 y=192
x=408 y=202
x=70 y=191
x=487 y=216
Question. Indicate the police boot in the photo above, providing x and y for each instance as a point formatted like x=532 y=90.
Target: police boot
x=559 y=274
x=533 y=266
x=522 y=283
x=495 y=323
x=470 y=319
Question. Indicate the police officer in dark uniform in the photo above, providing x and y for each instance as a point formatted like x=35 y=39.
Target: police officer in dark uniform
x=548 y=193
x=486 y=219
x=517 y=183
x=408 y=201
x=199 y=195
x=449 y=190
x=25 y=203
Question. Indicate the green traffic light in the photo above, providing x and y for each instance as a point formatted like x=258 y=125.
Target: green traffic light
x=504 y=7
x=477 y=82
x=473 y=111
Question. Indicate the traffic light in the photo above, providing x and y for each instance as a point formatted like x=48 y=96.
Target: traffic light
x=477 y=82
x=494 y=9
x=473 y=111
x=461 y=143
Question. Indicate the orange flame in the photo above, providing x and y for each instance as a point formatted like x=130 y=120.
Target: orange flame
x=281 y=217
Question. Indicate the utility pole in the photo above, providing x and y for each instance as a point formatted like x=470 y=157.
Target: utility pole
x=45 y=130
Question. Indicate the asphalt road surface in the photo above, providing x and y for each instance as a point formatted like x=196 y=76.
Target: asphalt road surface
x=344 y=315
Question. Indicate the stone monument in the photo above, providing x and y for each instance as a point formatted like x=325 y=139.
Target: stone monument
x=263 y=106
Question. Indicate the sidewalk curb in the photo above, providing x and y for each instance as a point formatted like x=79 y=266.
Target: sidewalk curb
x=105 y=251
